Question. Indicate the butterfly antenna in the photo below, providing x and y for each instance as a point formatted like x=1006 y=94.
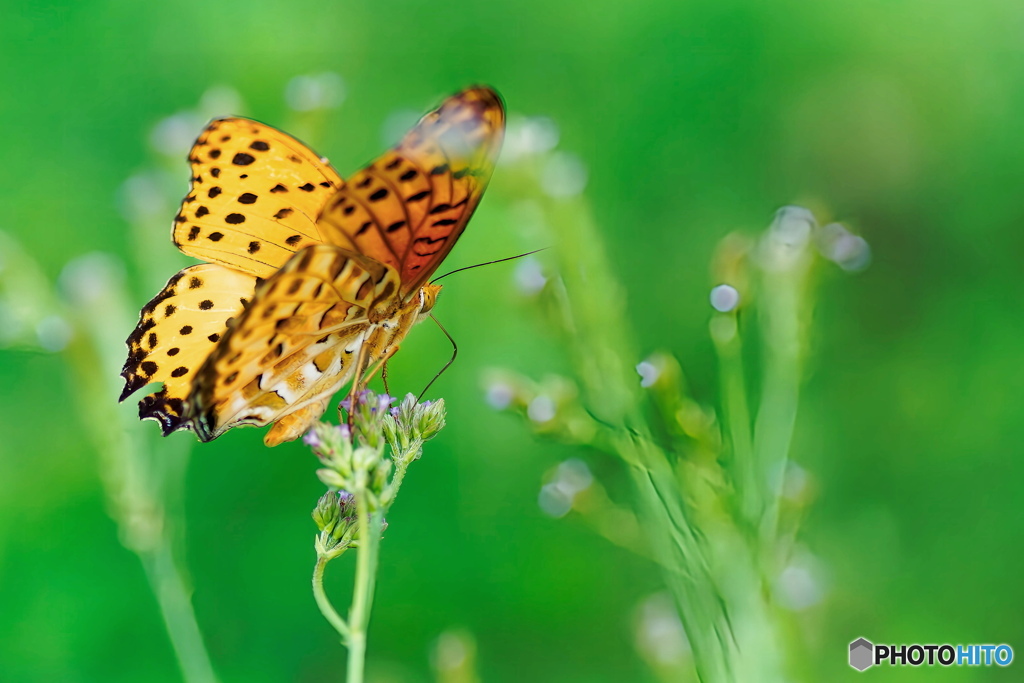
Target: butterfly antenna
x=455 y=352
x=509 y=258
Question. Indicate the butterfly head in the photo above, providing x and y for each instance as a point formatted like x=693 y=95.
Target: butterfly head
x=428 y=297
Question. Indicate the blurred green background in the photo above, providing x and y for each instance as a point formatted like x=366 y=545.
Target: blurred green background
x=692 y=120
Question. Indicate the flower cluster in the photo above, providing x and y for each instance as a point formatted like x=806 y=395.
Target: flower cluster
x=335 y=516
x=370 y=457
x=409 y=424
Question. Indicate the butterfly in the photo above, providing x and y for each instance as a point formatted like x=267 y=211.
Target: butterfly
x=309 y=281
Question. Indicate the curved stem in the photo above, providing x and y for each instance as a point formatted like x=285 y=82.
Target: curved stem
x=365 y=581
x=175 y=602
x=326 y=608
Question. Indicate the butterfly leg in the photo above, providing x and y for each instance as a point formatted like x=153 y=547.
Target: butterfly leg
x=357 y=383
x=370 y=358
x=384 y=377
x=382 y=365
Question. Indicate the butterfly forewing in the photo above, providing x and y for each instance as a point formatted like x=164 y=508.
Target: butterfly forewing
x=343 y=264
x=408 y=207
x=255 y=196
x=295 y=343
x=177 y=330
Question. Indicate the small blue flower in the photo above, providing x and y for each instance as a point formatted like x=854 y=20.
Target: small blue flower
x=363 y=398
x=311 y=439
x=383 y=403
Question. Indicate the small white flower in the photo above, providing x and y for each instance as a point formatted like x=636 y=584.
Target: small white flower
x=315 y=91
x=533 y=135
x=541 y=409
x=563 y=175
x=724 y=298
x=529 y=276
x=54 y=333
x=648 y=372
x=553 y=501
x=803 y=582
x=849 y=251
x=659 y=632
x=499 y=395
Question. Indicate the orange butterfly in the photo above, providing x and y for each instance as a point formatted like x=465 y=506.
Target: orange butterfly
x=310 y=281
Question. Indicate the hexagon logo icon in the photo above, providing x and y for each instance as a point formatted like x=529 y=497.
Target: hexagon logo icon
x=861 y=654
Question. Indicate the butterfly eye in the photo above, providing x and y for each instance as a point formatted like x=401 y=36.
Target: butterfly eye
x=428 y=297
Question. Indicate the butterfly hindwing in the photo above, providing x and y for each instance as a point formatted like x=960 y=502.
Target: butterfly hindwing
x=295 y=344
x=408 y=207
x=176 y=332
x=255 y=197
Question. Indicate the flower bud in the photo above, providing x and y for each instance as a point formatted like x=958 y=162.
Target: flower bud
x=326 y=512
x=331 y=478
x=335 y=515
x=430 y=419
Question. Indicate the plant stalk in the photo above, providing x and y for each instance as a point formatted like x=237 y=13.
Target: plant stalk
x=370 y=525
x=323 y=602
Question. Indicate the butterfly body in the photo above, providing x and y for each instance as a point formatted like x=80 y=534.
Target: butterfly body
x=316 y=280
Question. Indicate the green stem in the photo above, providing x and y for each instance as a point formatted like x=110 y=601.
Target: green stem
x=686 y=571
x=781 y=323
x=401 y=460
x=370 y=524
x=729 y=345
x=322 y=601
x=176 y=608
